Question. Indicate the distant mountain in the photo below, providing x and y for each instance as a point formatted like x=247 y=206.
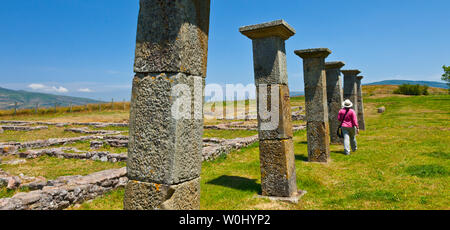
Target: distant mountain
x=401 y=82
x=27 y=100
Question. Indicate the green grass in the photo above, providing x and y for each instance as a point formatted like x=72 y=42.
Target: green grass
x=51 y=132
x=402 y=163
x=52 y=167
x=6 y=193
x=110 y=201
x=228 y=134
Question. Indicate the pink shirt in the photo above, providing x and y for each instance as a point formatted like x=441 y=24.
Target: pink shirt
x=351 y=119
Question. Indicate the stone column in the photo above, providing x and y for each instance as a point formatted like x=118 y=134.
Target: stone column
x=361 y=121
x=334 y=97
x=318 y=130
x=278 y=178
x=350 y=88
x=166 y=115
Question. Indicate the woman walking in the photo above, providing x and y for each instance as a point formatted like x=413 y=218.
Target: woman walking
x=350 y=126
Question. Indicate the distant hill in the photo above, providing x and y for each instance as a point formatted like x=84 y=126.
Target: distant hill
x=27 y=100
x=401 y=82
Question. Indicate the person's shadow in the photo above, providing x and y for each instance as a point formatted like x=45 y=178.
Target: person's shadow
x=236 y=182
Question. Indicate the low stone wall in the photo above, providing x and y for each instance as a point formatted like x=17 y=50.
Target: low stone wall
x=85 y=130
x=23 y=128
x=5 y=148
x=60 y=152
x=214 y=148
x=66 y=191
x=95 y=124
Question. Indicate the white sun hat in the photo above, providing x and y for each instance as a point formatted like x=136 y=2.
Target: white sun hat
x=347 y=104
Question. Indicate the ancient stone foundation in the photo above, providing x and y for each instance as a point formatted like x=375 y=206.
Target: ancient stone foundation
x=166 y=117
x=334 y=98
x=316 y=103
x=276 y=147
x=65 y=191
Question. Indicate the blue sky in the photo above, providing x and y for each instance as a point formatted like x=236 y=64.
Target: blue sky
x=86 y=47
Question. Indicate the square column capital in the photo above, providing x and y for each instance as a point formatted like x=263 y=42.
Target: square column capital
x=278 y=28
x=313 y=53
x=351 y=72
x=334 y=65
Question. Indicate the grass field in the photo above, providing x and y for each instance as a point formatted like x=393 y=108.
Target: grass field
x=403 y=162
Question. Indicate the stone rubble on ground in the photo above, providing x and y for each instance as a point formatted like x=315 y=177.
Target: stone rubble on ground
x=85 y=130
x=11 y=147
x=23 y=128
x=66 y=191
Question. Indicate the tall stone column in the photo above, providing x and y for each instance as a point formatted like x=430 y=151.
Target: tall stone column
x=350 y=88
x=361 y=120
x=166 y=116
x=278 y=177
x=318 y=129
x=334 y=97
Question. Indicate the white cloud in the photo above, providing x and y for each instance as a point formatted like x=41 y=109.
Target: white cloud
x=85 y=90
x=60 y=89
x=42 y=87
x=36 y=86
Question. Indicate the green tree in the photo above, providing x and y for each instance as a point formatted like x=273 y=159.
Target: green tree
x=446 y=76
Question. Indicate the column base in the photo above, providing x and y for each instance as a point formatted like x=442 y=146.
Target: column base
x=292 y=199
x=278 y=176
x=150 y=196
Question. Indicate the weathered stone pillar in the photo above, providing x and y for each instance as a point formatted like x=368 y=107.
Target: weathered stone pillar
x=166 y=116
x=334 y=97
x=278 y=178
x=350 y=88
x=318 y=130
x=361 y=121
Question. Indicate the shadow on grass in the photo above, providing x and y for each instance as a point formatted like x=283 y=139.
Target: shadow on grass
x=236 y=182
x=338 y=152
x=438 y=154
x=301 y=158
x=424 y=171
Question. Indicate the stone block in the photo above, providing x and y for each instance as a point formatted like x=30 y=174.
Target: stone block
x=318 y=141
x=151 y=196
x=316 y=103
x=269 y=60
x=334 y=98
x=278 y=176
x=172 y=36
x=284 y=127
x=164 y=148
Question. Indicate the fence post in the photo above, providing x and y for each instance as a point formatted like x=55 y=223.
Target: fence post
x=70 y=107
x=124 y=105
x=15 y=108
x=36 y=108
x=55 y=106
x=112 y=104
